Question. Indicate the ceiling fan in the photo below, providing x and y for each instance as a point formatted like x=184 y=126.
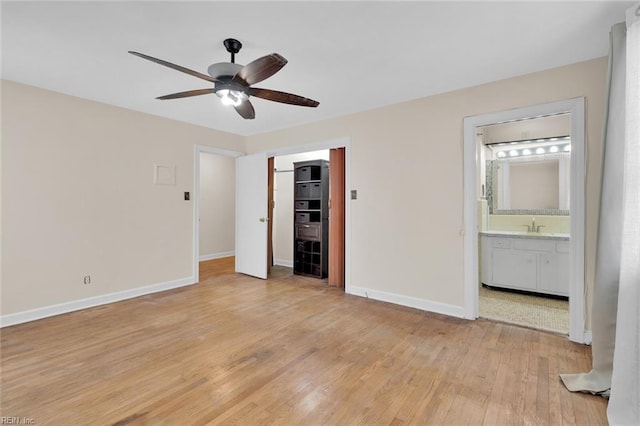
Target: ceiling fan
x=233 y=82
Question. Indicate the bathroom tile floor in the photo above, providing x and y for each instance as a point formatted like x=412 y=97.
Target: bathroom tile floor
x=538 y=312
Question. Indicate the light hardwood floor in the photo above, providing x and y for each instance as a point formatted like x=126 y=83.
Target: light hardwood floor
x=290 y=350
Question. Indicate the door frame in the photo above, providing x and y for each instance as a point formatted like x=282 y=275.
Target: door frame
x=576 y=107
x=344 y=142
x=197 y=150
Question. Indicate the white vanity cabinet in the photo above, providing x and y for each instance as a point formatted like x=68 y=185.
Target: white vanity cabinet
x=525 y=262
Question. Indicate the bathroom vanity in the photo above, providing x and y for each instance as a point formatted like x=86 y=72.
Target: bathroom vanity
x=535 y=262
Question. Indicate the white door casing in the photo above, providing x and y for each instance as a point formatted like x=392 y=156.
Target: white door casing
x=576 y=107
x=197 y=150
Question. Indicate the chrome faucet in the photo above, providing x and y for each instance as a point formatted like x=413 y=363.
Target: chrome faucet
x=533 y=227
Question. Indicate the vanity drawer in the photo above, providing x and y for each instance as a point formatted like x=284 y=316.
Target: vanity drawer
x=501 y=243
x=562 y=247
x=534 y=244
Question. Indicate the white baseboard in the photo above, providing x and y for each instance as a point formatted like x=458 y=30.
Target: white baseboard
x=212 y=256
x=76 y=305
x=412 y=302
x=282 y=262
x=588 y=338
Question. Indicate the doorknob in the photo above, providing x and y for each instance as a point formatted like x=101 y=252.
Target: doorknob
x=264 y=219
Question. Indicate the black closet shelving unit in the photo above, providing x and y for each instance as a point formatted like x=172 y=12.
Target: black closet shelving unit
x=311 y=218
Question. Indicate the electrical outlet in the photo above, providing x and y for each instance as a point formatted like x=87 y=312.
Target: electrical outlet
x=87 y=279
x=186 y=196
x=354 y=194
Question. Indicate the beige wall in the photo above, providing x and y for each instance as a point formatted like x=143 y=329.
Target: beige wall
x=406 y=163
x=283 y=196
x=217 y=205
x=79 y=197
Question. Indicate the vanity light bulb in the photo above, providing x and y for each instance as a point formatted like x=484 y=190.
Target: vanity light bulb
x=567 y=148
x=553 y=149
x=501 y=154
x=526 y=152
x=514 y=153
x=540 y=150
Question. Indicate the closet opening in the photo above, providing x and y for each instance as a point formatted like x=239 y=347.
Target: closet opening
x=308 y=210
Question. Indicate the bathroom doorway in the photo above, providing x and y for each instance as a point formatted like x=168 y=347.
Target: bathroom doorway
x=512 y=246
x=524 y=226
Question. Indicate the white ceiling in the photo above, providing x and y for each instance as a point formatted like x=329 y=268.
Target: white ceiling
x=349 y=56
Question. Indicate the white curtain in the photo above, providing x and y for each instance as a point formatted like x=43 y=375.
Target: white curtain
x=616 y=300
x=624 y=405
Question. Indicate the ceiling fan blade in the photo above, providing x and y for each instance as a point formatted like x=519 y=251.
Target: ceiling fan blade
x=245 y=109
x=260 y=69
x=175 y=67
x=186 y=94
x=285 y=98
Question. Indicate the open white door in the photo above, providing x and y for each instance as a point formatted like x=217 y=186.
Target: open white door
x=251 y=215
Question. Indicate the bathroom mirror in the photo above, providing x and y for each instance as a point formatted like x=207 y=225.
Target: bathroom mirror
x=537 y=184
x=525 y=165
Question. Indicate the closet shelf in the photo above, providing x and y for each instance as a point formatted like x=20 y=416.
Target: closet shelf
x=311 y=213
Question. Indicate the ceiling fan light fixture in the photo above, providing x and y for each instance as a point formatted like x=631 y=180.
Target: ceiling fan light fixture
x=231 y=97
x=223 y=70
x=233 y=82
